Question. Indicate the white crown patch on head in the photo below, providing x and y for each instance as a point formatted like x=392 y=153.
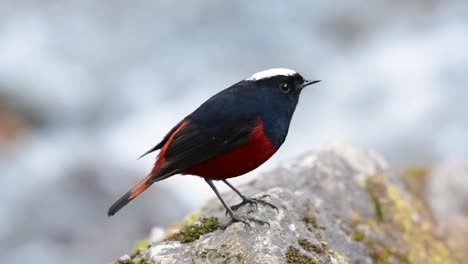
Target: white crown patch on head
x=270 y=73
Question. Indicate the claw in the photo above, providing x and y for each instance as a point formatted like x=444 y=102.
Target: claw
x=245 y=221
x=255 y=201
x=256 y=205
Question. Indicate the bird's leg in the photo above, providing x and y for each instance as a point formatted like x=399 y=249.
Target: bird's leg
x=234 y=218
x=246 y=200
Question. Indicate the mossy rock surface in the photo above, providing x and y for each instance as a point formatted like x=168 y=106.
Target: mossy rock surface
x=193 y=232
x=340 y=204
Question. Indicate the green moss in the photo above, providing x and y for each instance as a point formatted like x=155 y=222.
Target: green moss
x=139 y=246
x=193 y=232
x=337 y=258
x=324 y=244
x=211 y=252
x=142 y=244
x=294 y=256
x=416 y=171
x=142 y=260
x=378 y=210
x=374 y=191
x=395 y=236
x=415 y=179
x=222 y=255
x=135 y=253
x=189 y=220
x=380 y=251
x=358 y=235
x=311 y=222
x=306 y=245
x=321 y=253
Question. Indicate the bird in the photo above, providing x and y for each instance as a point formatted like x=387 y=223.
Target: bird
x=232 y=133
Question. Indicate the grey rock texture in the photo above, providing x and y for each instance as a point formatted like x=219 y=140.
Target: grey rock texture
x=339 y=204
x=447 y=190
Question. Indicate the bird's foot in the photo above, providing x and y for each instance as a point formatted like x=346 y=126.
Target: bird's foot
x=254 y=201
x=244 y=220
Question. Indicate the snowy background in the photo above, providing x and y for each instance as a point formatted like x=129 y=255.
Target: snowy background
x=87 y=86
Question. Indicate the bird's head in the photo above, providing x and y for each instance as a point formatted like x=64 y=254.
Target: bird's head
x=285 y=80
x=284 y=85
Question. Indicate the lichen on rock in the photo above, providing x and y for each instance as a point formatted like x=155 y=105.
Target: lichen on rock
x=403 y=235
x=294 y=256
x=199 y=228
x=339 y=204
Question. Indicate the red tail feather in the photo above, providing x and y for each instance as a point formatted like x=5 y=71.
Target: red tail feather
x=130 y=195
x=140 y=187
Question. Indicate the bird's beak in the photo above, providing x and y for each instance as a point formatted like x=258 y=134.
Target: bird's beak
x=308 y=82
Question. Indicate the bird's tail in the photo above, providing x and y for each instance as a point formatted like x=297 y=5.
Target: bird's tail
x=130 y=195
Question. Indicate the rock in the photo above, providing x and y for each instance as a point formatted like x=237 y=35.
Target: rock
x=447 y=195
x=157 y=234
x=448 y=189
x=124 y=260
x=340 y=204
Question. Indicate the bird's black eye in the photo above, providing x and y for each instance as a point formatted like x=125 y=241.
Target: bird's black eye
x=285 y=87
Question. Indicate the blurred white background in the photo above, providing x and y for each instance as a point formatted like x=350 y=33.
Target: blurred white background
x=88 y=86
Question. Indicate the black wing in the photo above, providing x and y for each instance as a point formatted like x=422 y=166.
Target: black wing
x=196 y=143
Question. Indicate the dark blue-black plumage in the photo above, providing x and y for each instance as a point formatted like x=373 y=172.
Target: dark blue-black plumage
x=225 y=124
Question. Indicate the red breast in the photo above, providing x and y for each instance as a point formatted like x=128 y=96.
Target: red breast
x=240 y=161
